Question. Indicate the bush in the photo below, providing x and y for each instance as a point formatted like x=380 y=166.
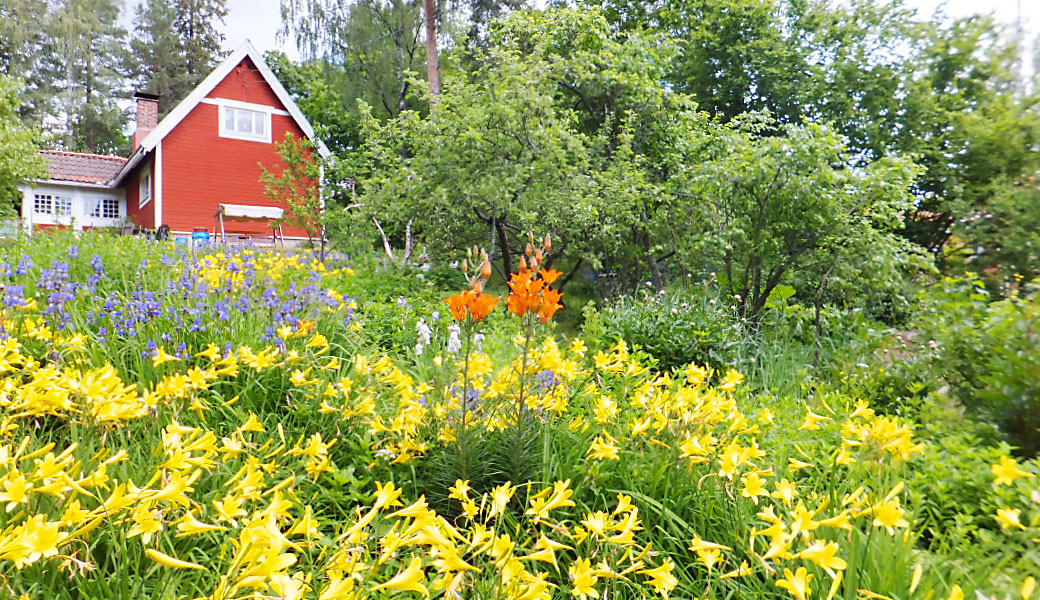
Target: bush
x=895 y=387
x=987 y=353
x=695 y=324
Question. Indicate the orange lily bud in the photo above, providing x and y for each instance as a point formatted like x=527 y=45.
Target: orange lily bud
x=523 y=264
x=485 y=269
x=529 y=250
x=530 y=237
x=465 y=266
x=548 y=243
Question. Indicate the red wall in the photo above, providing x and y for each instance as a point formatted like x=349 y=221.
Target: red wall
x=246 y=84
x=143 y=217
x=202 y=170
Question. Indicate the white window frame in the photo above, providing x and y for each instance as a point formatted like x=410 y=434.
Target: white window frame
x=58 y=205
x=62 y=206
x=102 y=213
x=230 y=105
x=39 y=199
x=145 y=184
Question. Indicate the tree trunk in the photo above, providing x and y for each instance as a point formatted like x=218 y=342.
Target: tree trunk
x=386 y=242
x=648 y=247
x=655 y=271
x=407 y=242
x=503 y=242
x=816 y=317
x=89 y=93
x=433 y=67
x=570 y=275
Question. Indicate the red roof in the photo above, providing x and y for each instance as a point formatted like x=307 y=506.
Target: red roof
x=82 y=168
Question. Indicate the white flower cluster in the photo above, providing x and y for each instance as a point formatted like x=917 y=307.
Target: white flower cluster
x=423 y=330
x=454 y=343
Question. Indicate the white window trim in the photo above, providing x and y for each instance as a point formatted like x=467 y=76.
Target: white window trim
x=65 y=202
x=267 y=111
x=245 y=105
x=101 y=208
x=141 y=202
x=37 y=199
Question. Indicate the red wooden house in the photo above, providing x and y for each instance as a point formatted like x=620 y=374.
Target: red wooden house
x=197 y=165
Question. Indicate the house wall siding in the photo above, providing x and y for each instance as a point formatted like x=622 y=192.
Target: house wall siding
x=141 y=216
x=202 y=170
x=246 y=84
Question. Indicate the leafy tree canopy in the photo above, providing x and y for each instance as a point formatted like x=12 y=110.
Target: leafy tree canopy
x=19 y=159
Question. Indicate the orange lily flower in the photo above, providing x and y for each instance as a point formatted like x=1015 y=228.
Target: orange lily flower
x=530 y=294
x=457 y=306
x=524 y=296
x=471 y=303
x=549 y=305
x=549 y=277
x=481 y=305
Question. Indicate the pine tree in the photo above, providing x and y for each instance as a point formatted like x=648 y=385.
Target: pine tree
x=90 y=51
x=196 y=25
x=175 y=46
x=158 y=60
x=481 y=13
x=23 y=55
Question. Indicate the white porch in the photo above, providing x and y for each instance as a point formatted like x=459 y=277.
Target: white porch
x=75 y=206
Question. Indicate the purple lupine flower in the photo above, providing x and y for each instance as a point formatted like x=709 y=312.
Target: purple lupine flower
x=546 y=380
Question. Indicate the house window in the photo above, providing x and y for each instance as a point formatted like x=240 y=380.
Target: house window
x=43 y=204
x=245 y=124
x=107 y=208
x=49 y=204
x=145 y=191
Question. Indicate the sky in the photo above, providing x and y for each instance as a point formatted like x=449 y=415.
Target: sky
x=260 y=20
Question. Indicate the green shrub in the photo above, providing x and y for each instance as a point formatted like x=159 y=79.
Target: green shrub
x=892 y=386
x=695 y=324
x=989 y=354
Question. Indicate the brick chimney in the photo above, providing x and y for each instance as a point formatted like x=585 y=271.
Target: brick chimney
x=147 y=116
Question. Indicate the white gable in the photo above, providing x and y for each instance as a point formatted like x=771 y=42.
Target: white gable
x=246 y=50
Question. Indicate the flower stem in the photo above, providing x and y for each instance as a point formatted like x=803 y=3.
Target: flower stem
x=518 y=432
x=460 y=428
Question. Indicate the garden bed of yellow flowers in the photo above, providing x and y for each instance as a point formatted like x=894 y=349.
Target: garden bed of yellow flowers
x=214 y=425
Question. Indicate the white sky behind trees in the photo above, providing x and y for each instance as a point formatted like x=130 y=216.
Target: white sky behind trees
x=260 y=20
